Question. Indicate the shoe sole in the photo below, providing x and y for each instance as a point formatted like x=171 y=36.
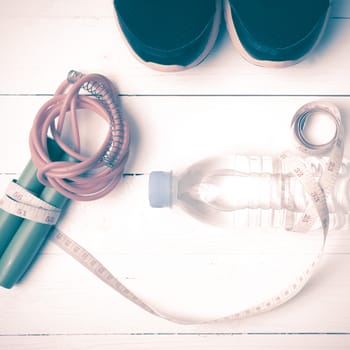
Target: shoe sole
x=175 y=68
x=265 y=63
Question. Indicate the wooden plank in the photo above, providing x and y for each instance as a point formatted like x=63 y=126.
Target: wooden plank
x=34 y=63
x=174 y=132
x=172 y=342
x=60 y=297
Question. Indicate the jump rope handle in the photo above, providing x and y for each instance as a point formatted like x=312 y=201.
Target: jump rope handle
x=21 y=239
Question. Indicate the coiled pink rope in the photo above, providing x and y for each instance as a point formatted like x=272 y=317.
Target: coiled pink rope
x=76 y=176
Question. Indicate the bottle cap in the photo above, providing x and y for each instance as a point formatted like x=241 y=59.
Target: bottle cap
x=159 y=189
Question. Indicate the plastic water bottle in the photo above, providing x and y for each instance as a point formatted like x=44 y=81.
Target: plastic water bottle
x=247 y=191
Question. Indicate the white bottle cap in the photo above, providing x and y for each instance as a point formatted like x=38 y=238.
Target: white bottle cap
x=159 y=189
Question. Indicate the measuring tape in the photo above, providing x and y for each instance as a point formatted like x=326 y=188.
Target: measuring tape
x=18 y=201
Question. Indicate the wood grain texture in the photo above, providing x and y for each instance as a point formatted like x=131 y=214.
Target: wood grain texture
x=177 y=264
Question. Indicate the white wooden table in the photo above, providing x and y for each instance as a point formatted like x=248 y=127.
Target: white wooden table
x=177 y=264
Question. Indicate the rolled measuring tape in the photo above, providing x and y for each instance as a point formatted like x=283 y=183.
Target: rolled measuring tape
x=335 y=149
x=317 y=191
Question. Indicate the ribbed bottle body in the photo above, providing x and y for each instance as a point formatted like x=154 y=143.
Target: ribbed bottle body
x=255 y=191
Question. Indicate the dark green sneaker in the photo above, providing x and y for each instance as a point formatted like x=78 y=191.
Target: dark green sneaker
x=169 y=35
x=276 y=33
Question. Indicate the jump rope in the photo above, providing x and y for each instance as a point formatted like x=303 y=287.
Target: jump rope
x=57 y=172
